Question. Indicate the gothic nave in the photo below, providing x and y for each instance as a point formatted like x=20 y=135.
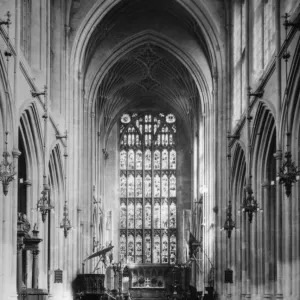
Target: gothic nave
x=151 y=149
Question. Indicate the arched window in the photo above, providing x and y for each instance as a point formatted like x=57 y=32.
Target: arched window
x=148 y=188
x=263 y=34
x=25 y=25
x=239 y=61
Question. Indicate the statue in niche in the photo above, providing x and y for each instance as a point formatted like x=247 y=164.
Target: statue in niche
x=97 y=218
x=108 y=224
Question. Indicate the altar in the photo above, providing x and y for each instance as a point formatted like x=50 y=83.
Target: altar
x=155 y=281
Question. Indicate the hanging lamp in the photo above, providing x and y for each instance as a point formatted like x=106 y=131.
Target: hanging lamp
x=229 y=224
x=65 y=224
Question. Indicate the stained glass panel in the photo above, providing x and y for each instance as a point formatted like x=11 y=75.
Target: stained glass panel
x=124 y=140
x=123 y=215
x=148 y=186
x=137 y=140
x=172 y=186
x=130 y=253
x=123 y=186
x=148 y=215
x=165 y=246
x=173 y=159
x=156 y=250
x=147 y=159
x=156 y=159
x=130 y=159
x=130 y=215
x=139 y=215
x=172 y=215
x=130 y=186
x=164 y=186
x=157 y=214
x=164 y=214
x=139 y=160
x=156 y=185
x=173 y=249
x=157 y=141
x=123 y=160
x=138 y=248
x=139 y=186
x=164 y=162
x=147 y=248
x=170 y=118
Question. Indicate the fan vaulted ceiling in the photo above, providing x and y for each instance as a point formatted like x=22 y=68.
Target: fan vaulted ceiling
x=146 y=75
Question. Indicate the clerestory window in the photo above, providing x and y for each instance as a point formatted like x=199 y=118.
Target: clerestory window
x=25 y=25
x=148 y=188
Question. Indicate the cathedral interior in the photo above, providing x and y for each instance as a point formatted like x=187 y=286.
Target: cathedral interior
x=150 y=149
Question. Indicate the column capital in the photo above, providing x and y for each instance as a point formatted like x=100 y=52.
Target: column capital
x=35 y=253
x=28 y=183
x=20 y=246
x=265 y=184
x=278 y=155
x=16 y=153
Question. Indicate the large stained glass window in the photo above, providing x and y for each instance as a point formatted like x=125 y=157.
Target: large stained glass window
x=148 y=188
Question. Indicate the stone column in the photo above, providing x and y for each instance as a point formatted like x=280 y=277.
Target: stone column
x=266 y=238
x=278 y=227
x=115 y=280
x=35 y=270
x=120 y=281
x=20 y=247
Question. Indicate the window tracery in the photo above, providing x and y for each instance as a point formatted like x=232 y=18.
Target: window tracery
x=148 y=188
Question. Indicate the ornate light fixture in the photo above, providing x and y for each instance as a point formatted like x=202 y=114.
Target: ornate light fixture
x=7 y=168
x=288 y=172
x=249 y=205
x=65 y=223
x=229 y=224
x=43 y=205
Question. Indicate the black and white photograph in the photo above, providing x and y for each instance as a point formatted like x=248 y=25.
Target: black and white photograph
x=149 y=149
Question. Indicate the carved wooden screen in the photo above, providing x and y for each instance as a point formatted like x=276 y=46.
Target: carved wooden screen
x=148 y=188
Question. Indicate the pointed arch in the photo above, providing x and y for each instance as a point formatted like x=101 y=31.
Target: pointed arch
x=30 y=130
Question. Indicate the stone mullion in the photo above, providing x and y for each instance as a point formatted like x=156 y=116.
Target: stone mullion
x=144 y=177
x=153 y=185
